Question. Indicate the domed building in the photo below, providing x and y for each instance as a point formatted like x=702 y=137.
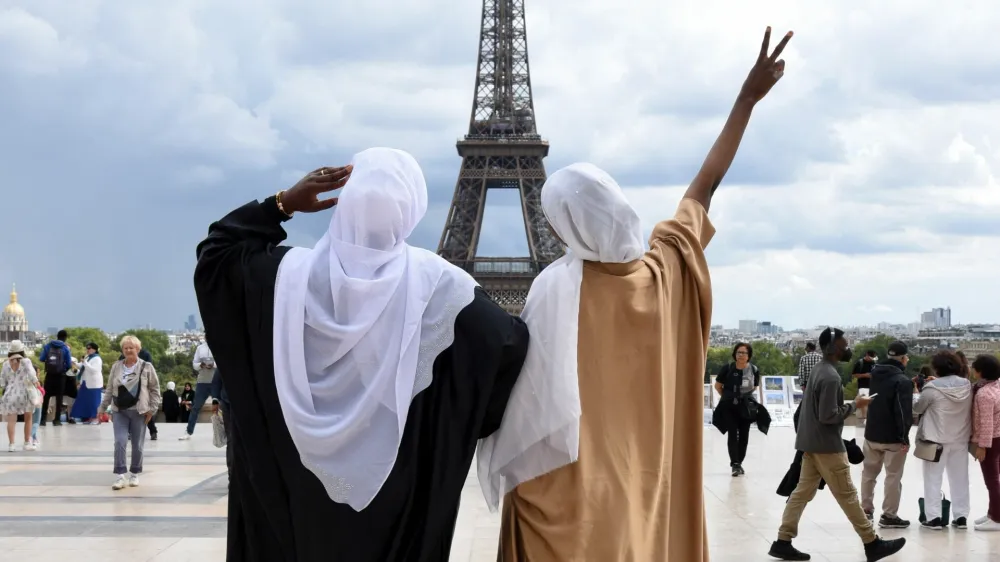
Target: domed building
x=13 y=322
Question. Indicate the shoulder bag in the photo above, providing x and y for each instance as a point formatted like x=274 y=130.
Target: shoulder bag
x=927 y=450
x=123 y=398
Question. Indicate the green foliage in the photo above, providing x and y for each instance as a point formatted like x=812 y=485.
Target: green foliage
x=771 y=361
x=851 y=390
x=176 y=367
x=154 y=341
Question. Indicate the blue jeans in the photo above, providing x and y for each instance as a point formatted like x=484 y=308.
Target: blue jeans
x=202 y=391
x=36 y=418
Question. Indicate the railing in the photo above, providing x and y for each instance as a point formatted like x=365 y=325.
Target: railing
x=510 y=139
x=501 y=267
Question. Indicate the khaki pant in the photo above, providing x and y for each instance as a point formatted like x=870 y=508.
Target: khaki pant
x=893 y=458
x=835 y=469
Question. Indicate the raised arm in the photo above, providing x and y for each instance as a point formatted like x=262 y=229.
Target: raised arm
x=763 y=76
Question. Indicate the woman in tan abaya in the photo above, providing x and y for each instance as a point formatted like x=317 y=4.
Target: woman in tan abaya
x=599 y=455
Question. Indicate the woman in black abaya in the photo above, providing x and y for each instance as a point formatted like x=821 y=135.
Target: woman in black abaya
x=361 y=373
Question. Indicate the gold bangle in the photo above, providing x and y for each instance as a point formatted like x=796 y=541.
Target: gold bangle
x=277 y=199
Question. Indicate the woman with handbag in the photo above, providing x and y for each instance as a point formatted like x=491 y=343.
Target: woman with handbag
x=945 y=410
x=133 y=392
x=736 y=384
x=20 y=393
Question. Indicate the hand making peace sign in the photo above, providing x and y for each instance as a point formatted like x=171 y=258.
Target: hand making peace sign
x=766 y=71
x=304 y=196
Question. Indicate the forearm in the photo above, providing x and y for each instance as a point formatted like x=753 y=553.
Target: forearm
x=721 y=156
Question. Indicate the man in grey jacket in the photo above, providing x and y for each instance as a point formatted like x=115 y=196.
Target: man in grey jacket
x=821 y=425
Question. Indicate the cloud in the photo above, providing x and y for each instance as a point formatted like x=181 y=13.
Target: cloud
x=865 y=189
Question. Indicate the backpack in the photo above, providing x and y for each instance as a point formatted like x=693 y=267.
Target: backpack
x=54 y=361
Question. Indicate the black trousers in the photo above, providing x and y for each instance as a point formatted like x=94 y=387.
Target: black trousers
x=152 y=427
x=227 y=422
x=739 y=440
x=55 y=387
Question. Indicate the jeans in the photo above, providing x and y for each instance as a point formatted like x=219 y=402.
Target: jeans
x=893 y=458
x=836 y=471
x=739 y=440
x=201 y=392
x=129 y=423
x=991 y=475
x=36 y=418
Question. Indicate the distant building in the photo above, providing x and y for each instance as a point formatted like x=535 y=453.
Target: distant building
x=936 y=318
x=191 y=324
x=748 y=326
x=13 y=322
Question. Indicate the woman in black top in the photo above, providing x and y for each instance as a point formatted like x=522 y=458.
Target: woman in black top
x=736 y=384
x=187 y=398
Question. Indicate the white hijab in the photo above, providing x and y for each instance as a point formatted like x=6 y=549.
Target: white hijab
x=358 y=322
x=540 y=431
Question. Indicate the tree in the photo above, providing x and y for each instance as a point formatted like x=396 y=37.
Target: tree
x=717 y=358
x=154 y=341
x=772 y=361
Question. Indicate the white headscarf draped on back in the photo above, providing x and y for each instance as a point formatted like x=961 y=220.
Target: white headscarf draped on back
x=358 y=322
x=540 y=431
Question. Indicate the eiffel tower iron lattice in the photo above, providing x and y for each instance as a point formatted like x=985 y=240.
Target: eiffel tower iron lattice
x=502 y=150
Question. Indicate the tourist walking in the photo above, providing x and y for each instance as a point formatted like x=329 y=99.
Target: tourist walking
x=986 y=434
x=361 y=372
x=91 y=389
x=887 y=436
x=824 y=458
x=737 y=383
x=20 y=393
x=611 y=386
x=945 y=410
x=204 y=365
x=57 y=360
x=133 y=392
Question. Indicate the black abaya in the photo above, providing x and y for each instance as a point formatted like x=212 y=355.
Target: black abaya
x=278 y=510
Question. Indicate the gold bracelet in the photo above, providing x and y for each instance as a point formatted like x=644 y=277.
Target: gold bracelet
x=277 y=199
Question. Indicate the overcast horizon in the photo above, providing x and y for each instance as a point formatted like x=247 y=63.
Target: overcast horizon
x=865 y=189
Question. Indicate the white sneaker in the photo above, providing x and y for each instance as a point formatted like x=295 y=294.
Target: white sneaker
x=120 y=482
x=988 y=525
x=133 y=480
x=982 y=519
x=184 y=437
x=12 y=448
x=30 y=447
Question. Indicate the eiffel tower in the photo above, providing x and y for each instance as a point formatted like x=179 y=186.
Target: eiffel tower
x=502 y=150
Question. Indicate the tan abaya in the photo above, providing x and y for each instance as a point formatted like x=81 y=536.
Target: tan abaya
x=635 y=495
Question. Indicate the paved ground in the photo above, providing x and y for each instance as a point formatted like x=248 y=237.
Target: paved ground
x=57 y=504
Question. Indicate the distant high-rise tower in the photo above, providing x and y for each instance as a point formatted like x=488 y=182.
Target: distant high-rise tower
x=191 y=323
x=748 y=327
x=502 y=150
x=936 y=318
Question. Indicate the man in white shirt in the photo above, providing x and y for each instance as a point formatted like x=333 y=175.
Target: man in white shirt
x=204 y=365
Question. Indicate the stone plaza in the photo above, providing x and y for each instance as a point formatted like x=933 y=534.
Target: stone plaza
x=57 y=504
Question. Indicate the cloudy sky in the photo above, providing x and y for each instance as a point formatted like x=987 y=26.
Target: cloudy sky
x=865 y=189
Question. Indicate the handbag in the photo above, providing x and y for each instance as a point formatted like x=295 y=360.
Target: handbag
x=928 y=450
x=945 y=509
x=34 y=396
x=218 y=430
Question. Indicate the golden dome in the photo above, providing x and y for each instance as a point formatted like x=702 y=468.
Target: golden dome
x=13 y=309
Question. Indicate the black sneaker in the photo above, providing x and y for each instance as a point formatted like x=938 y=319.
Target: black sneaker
x=935 y=524
x=870 y=515
x=892 y=522
x=740 y=468
x=880 y=548
x=783 y=550
x=736 y=469
x=960 y=523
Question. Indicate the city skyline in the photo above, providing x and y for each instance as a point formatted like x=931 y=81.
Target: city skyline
x=839 y=209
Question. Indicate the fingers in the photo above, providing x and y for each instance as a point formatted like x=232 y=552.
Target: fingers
x=781 y=46
x=324 y=204
x=767 y=41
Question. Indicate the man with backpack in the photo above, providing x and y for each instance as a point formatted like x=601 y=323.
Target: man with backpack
x=57 y=360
